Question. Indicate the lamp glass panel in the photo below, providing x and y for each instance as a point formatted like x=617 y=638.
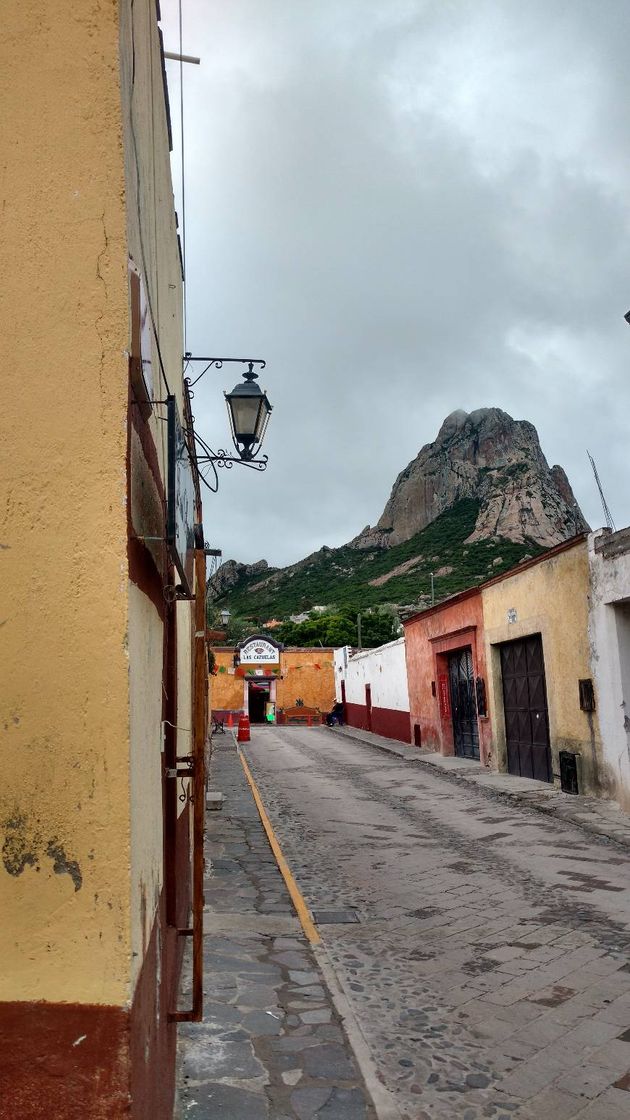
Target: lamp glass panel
x=244 y=415
x=261 y=419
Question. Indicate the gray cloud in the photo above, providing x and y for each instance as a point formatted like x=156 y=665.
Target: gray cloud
x=406 y=208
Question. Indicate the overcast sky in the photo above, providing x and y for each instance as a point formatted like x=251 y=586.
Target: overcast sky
x=406 y=207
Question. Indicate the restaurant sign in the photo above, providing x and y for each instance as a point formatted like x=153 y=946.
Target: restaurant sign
x=259 y=651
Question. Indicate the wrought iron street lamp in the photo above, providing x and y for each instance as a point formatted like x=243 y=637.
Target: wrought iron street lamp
x=249 y=410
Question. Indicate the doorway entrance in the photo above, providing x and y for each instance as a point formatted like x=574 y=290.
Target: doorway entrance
x=258 y=696
x=525 y=707
x=463 y=705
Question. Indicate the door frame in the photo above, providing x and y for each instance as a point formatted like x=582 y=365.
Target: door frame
x=368 y=706
x=442 y=645
x=473 y=719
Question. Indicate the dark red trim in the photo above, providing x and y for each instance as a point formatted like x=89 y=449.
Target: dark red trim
x=143 y=571
x=144 y=574
x=153 y=1038
x=388 y=722
x=72 y=1061
x=67 y=1060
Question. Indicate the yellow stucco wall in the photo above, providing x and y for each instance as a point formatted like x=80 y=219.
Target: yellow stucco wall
x=550 y=598
x=86 y=183
x=64 y=818
x=306 y=674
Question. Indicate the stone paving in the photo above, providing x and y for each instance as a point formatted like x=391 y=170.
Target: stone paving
x=598 y=815
x=489 y=968
x=271 y=1046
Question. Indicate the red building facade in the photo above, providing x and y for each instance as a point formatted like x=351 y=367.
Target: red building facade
x=447 y=678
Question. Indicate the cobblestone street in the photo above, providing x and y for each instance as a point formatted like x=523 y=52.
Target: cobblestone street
x=484 y=947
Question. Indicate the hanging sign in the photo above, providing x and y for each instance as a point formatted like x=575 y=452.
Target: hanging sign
x=258 y=651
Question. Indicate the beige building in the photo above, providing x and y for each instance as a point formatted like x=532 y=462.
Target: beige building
x=543 y=705
x=102 y=668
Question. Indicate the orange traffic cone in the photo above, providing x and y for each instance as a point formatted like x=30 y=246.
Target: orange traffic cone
x=230 y=720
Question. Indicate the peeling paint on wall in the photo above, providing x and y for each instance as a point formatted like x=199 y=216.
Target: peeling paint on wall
x=19 y=849
x=64 y=866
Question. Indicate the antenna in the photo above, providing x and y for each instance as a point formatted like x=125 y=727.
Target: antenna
x=607 y=514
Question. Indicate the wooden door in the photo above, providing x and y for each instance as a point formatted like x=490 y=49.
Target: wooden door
x=525 y=707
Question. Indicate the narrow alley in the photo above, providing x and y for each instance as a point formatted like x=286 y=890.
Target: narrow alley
x=483 y=946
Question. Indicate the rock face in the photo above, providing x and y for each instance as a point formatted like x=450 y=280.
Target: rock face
x=230 y=573
x=488 y=456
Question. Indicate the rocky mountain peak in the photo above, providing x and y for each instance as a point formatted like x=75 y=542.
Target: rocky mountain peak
x=498 y=461
x=230 y=573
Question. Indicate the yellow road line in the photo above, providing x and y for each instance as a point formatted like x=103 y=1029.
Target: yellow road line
x=296 y=895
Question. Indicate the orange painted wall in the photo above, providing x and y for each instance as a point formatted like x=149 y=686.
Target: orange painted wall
x=429 y=638
x=306 y=674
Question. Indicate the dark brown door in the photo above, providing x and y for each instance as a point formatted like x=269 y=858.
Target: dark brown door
x=463 y=707
x=525 y=706
x=368 y=706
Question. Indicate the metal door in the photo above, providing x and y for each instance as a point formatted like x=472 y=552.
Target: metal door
x=368 y=706
x=463 y=707
x=525 y=707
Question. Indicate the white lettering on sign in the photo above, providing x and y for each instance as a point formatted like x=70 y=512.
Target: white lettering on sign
x=258 y=651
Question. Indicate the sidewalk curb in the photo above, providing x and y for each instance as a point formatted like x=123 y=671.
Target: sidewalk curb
x=524 y=800
x=383 y=1100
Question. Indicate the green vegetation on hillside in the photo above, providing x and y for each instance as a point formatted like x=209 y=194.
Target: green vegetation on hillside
x=340 y=627
x=341 y=577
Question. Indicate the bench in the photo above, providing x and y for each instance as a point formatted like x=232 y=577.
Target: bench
x=300 y=716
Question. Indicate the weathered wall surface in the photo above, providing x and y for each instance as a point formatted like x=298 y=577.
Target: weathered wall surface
x=430 y=637
x=609 y=633
x=64 y=813
x=550 y=598
x=384 y=671
x=86 y=185
x=305 y=674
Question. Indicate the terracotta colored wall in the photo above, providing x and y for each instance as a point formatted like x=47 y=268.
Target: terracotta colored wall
x=430 y=637
x=551 y=598
x=306 y=674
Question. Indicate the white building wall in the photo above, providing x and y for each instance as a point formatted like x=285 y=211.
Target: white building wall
x=385 y=670
x=609 y=634
x=340 y=661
